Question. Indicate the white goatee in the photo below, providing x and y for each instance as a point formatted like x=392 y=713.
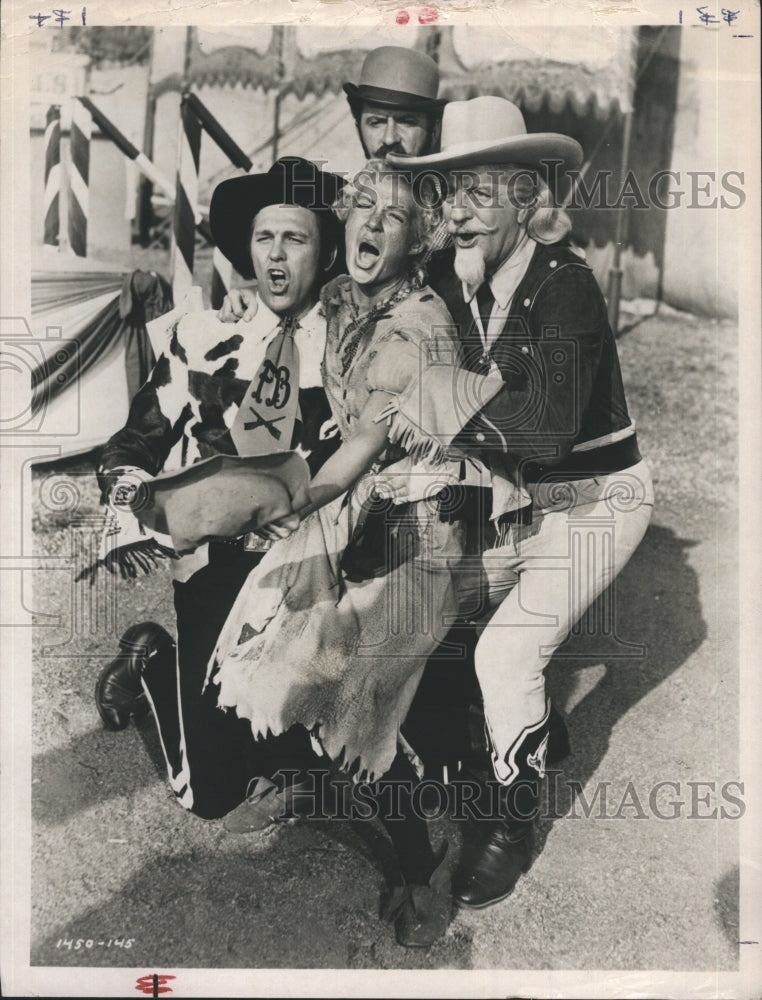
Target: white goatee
x=470 y=266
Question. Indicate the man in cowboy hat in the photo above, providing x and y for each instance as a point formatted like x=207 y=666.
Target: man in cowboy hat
x=539 y=399
x=222 y=392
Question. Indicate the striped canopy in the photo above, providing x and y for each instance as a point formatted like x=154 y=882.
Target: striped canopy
x=592 y=72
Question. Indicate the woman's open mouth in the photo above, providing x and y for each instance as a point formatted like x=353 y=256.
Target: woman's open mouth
x=367 y=254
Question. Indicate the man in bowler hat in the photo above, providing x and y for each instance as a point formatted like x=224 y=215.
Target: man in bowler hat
x=395 y=104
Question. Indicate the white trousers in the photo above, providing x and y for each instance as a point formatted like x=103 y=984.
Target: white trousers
x=537 y=582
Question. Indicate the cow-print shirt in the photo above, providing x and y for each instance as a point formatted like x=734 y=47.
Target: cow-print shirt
x=185 y=410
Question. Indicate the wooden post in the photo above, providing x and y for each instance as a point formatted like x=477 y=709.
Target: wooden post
x=615 y=274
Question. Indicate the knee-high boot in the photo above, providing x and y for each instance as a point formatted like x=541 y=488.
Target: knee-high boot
x=493 y=863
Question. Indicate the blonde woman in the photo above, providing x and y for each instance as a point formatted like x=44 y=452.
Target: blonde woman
x=333 y=628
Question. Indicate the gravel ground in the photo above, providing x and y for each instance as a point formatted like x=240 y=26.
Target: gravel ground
x=115 y=859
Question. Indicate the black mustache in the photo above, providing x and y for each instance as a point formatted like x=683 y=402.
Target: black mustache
x=394 y=147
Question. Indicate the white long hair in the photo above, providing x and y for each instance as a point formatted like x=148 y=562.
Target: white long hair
x=544 y=221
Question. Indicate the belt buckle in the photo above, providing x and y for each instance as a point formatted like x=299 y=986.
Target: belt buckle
x=251 y=542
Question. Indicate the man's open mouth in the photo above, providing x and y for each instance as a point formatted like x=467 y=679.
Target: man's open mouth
x=367 y=254
x=277 y=279
x=464 y=239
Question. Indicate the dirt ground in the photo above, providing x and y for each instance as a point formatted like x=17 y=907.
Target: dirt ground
x=116 y=859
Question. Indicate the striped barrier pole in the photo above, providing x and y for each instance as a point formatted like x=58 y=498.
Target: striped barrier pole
x=217 y=133
x=222 y=278
x=79 y=178
x=186 y=202
x=131 y=151
x=52 y=200
x=222 y=269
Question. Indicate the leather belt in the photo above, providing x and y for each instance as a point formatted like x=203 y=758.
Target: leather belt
x=600 y=461
x=226 y=547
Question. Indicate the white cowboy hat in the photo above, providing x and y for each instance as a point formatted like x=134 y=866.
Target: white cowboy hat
x=488 y=130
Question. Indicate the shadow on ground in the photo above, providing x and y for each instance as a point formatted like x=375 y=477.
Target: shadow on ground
x=83 y=774
x=309 y=896
x=309 y=899
x=641 y=630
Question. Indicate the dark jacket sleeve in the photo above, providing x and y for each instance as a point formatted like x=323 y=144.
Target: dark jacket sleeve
x=147 y=438
x=548 y=376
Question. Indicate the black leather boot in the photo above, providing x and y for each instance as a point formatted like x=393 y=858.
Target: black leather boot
x=119 y=694
x=476 y=763
x=492 y=865
x=559 y=746
x=492 y=868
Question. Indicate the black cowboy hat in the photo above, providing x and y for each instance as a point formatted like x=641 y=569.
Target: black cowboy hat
x=395 y=77
x=289 y=181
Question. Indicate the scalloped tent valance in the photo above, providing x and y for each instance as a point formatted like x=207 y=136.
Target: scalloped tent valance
x=591 y=73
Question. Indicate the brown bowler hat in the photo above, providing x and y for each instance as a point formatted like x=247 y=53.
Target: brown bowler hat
x=396 y=77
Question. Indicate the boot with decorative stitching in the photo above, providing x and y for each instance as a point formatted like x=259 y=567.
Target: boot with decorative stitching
x=492 y=865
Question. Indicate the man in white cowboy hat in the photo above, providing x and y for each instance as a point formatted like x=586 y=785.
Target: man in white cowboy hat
x=539 y=399
x=219 y=391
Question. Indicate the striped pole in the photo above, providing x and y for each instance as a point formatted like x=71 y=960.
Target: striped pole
x=52 y=175
x=222 y=269
x=121 y=141
x=79 y=177
x=217 y=133
x=186 y=202
x=222 y=278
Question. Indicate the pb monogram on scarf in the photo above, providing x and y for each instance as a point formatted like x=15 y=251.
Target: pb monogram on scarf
x=265 y=420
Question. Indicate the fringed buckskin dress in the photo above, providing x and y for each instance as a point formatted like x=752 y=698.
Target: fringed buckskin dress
x=305 y=644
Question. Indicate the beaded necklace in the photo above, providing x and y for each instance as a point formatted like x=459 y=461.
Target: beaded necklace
x=355 y=330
